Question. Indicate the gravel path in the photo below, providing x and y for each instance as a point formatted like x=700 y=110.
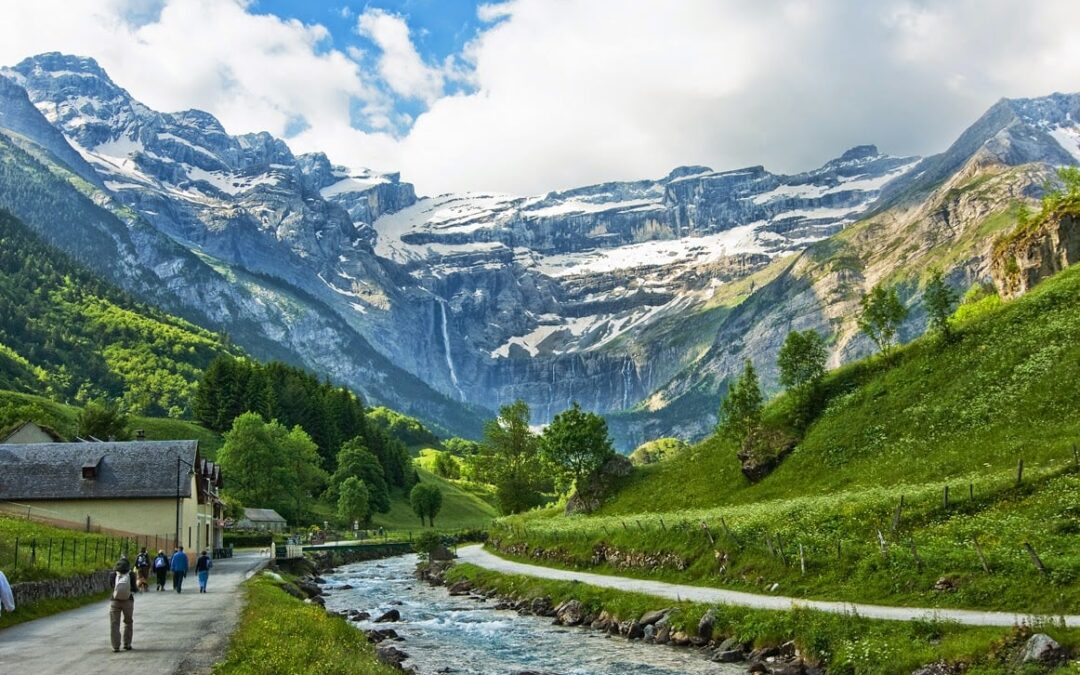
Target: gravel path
x=478 y=556
x=184 y=633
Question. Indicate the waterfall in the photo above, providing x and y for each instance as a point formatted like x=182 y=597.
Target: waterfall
x=446 y=349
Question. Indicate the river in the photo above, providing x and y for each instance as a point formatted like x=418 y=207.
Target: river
x=446 y=634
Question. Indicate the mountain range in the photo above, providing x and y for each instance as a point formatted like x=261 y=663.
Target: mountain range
x=637 y=299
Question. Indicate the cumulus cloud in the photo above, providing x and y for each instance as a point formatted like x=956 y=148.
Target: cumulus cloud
x=579 y=91
x=400 y=64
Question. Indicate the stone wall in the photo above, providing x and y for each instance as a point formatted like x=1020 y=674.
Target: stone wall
x=29 y=592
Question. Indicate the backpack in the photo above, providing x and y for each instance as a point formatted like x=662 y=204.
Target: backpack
x=142 y=561
x=122 y=589
x=160 y=563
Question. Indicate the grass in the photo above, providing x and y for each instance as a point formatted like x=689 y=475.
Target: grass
x=465 y=506
x=843 y=643
x=279 y=634
x=92 y=552
x=938 y=413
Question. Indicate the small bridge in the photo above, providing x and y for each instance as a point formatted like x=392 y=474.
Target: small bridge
x=372 y=549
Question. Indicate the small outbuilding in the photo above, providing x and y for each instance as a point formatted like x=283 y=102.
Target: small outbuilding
x=261 y=519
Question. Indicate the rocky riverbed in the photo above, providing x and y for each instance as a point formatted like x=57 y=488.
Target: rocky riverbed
x=431 y=631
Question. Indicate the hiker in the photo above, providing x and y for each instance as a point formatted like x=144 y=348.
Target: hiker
x=142 y=568
x=7 y=598
x=122 y=582
x=161 y=569
x=179 y=568
x=202 y=568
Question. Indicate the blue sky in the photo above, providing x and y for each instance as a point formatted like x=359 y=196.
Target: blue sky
x=527 y=96
x=439 y=29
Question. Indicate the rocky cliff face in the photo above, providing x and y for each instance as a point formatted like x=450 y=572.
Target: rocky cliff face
x=636 y=299
x=1025 y=259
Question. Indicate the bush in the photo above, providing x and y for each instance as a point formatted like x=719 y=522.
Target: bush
x=426 y=543
x=247 y=539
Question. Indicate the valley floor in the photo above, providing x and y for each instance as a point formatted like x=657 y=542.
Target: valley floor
x=476 y=555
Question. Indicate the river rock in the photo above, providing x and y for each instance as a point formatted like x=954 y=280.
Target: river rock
x=1041 y=648
x=945 y=585
x=649 y=618
x=937 y=668
x=705 y=626
x=663 y=633
x=680 y=639
x=729 y=656
x=461 y=588
x=378 y=635
x=649 y=633
x=602 y=622
x=310 y=588
x=390 y=655
x=357 y=615
x=542 y=607
x=391 y=615
x=632 y=630
x=569 y=613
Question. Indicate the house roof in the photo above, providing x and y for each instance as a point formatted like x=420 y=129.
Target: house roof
x=124 y=470
x=48 y=431
x=263 y=515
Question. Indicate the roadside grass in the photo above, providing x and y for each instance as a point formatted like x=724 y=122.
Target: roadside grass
x=279 y=634
x=37 y=610
x=958 y=413
x=843 y=643
x=72 y=552
x=463 y=507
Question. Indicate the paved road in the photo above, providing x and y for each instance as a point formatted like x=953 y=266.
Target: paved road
x=183 y=633
x=478 y=556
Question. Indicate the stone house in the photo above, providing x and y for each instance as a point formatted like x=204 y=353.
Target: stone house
x=158 y=489
x=261 y=519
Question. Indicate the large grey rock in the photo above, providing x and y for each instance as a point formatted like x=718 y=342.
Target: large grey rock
x=1041 y=648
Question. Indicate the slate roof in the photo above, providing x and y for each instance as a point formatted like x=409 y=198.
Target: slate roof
x=126 y=469
x=263 y=516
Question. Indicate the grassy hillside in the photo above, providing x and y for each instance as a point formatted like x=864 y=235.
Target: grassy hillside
x=959 y=414
x=16 y=408
x=68 y=334
x=464 y=506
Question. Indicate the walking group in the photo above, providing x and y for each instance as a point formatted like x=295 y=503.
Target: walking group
x=126 y=582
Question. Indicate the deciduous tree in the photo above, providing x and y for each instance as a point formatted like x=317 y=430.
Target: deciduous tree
x=575 y=444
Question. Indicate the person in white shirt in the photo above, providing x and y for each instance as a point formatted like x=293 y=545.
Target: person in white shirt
x=7 y=598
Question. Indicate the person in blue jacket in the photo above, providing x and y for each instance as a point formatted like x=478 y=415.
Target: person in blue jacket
x=179 y=568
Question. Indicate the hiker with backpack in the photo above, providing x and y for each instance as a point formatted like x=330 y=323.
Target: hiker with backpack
x=122 y=581
x=179 y=568
x=161 y=569
x=142 y=568
x=202 y=569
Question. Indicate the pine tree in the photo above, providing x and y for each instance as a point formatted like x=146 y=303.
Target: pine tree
x=740 y=411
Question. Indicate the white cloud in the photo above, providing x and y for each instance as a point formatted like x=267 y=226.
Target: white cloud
x=579 y=91
x=400 y=65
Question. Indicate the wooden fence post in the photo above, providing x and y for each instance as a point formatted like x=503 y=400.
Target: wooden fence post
x=982 y=558
x=662 y=526
x=884 y=546
x=971 y=491
x=915 y=554
x=802 y=559
x=1035 y=558
x=708 y=533
x=780 y=548
x=1076 y=457
x=945 y=498
x=896 y=516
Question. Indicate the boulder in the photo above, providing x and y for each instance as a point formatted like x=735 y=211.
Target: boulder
x=570 y=613
x=729 y=656
x=680 y=639
x=390 y=655
x=663 y=633
x=461 y=588
x=632 y=630
x=945 y=585
x=649 y=633
x=541 y=607
x=729 y=643
x=705 y=626
x=602 y=622
x=649 y=618
x=309 y=588
x=1043 y=649
x=937 y=668
x=389 y=616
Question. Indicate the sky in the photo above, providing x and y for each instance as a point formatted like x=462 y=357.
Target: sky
x=528 y=96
